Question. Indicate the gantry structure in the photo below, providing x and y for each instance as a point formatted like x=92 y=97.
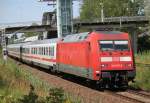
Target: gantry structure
x=64 y=12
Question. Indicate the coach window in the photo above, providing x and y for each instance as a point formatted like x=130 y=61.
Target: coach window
x=44 y=50
x=40 y=51
x=49 y=51
x=53 y=50
x=26 y=50
x=36 y=50
x=31 y=50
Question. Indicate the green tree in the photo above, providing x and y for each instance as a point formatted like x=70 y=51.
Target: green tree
x=147 y=8
x=29 y=34
x=92 y=8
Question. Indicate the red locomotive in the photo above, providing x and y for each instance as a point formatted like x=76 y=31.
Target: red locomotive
x=104 y=57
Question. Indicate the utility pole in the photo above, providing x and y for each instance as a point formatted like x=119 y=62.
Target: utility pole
x=102 y=11
x=3 y=39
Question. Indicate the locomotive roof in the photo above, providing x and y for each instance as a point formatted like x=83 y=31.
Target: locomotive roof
x=83 y=36
x=76 y=37
x=110 y=32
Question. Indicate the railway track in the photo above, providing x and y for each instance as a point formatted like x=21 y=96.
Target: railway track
x=87 y=94
x=140 y=93
x=132 y=96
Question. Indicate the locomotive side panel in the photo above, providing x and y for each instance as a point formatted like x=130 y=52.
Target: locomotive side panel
x=74 y=58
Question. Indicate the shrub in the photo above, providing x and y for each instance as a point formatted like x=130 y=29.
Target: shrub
x=56 y=95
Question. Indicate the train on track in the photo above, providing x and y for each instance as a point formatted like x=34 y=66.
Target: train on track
x=101 y=56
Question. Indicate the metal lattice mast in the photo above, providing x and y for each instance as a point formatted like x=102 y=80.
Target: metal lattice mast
x=3 y=40
x=64 y=17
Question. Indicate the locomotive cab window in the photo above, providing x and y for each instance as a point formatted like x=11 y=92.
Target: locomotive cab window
x=113 y=45
x=121 y=45
x=106 y=45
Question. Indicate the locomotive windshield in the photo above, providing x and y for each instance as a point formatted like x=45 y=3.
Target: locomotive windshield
x=114 y=45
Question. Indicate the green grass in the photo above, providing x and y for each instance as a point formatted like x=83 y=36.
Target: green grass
x=16 y=83
x=142 y=71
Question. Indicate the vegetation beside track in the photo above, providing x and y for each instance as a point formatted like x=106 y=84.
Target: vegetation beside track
x=20 y=86
x=143 y=71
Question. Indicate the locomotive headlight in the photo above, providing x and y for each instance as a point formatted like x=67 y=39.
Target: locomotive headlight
x=104 y=65
x=106 y=59
x=125 y=58
x=97 y=73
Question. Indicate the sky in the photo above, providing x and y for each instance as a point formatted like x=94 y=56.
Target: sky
x=12 y=11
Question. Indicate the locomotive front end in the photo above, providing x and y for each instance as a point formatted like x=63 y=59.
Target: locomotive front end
x=115 y=66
